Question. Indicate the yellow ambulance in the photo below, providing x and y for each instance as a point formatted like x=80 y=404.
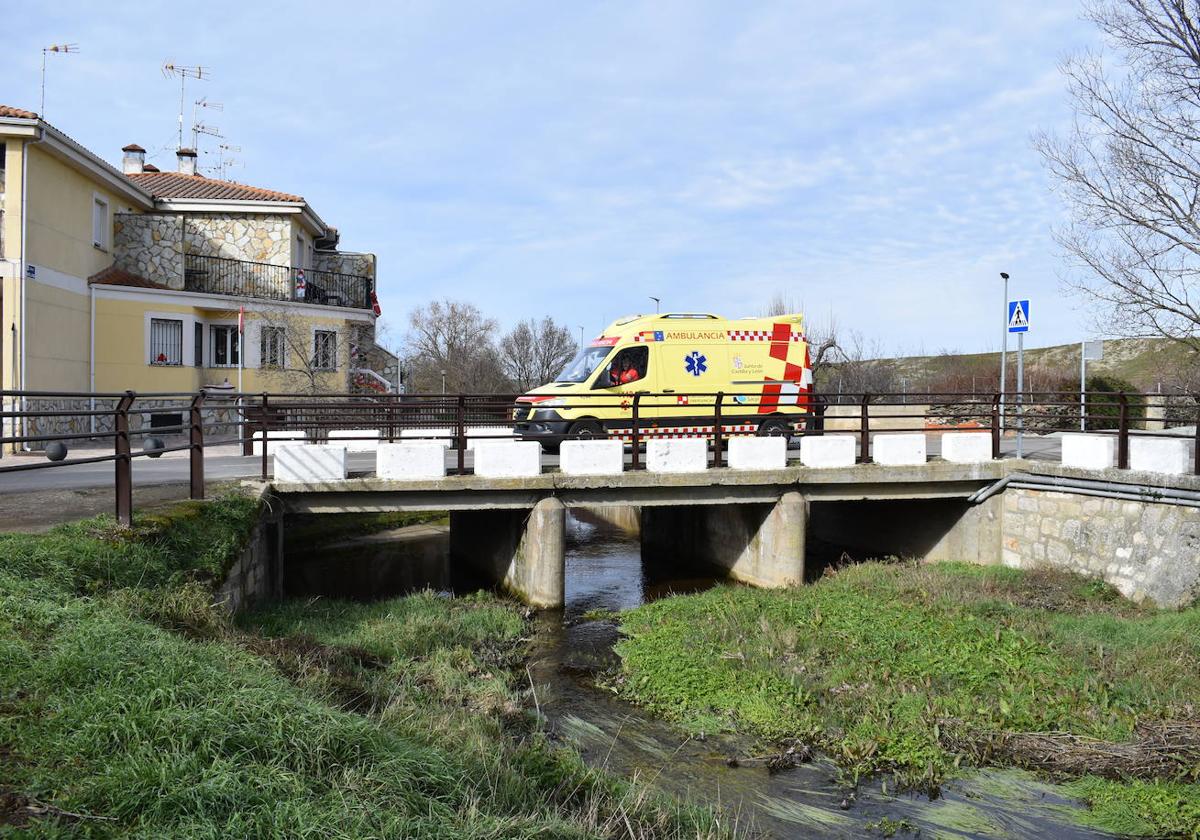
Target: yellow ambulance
x=675 y=364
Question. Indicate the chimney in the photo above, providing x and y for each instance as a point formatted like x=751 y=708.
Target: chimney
x=134 y=160
x=150 y=167
x=187 y=161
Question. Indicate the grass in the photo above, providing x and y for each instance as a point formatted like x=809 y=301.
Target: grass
x=920 y=669
x=132 y=708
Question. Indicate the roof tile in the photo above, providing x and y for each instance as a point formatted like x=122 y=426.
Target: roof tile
x=168 y=185
x=114 y=276
x=9 y=111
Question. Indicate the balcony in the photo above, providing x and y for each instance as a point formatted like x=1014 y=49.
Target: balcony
x=241 y=278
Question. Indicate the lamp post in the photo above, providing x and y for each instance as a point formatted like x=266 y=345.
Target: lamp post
x=443 y=383
x=653 y=298
x=581 y=335
x=1004 y=349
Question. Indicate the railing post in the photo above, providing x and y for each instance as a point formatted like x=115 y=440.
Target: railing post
x=635 y=462
x=461 y=434
x=995 y=426
x=864 y=431
x=196 y=440
x=717 y=428
x=124 y=462
x=262 y=423
x=1122 y=431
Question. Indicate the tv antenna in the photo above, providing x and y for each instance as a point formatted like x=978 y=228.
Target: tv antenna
x=57 y=49
x=223 y=162
x=170 y=70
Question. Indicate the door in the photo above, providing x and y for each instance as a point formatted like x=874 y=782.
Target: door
x=630 y=371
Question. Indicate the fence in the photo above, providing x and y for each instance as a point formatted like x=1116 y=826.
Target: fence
x=199 y=420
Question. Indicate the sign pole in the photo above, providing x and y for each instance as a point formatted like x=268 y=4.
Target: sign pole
x=1082 y=386
x=1020 y=389
x=1004 y=351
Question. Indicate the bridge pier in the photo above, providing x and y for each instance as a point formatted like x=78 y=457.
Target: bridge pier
x=759 y=544
x=522 y=550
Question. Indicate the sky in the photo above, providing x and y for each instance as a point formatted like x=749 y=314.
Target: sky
x=870 y=161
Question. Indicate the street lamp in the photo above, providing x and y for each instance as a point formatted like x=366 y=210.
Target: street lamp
x=1004 y=349
x=653 y=298
x=581 y=335
x=443 y=383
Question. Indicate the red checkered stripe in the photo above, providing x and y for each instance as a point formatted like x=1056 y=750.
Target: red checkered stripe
x=686 y=431
x=760 y=335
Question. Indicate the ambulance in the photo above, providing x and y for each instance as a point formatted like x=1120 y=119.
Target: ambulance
x=673 y=365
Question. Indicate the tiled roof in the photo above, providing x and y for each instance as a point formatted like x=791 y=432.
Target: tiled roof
x=9 y=111
x=168 y=185
x=113 y=276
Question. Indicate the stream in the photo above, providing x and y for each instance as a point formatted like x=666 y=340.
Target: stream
x=605 y=573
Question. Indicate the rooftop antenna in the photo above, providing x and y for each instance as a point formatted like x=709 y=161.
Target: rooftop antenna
x=224 y=163
x=53 y=48
x=198 y=127
x=170 y=70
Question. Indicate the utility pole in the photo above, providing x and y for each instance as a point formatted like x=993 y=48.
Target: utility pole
x=1004 y=349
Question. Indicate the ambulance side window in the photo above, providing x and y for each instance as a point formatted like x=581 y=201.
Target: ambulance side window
x=628 y=366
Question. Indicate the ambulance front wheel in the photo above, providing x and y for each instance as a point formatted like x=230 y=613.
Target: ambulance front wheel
x=586 y=430
x=774 y=427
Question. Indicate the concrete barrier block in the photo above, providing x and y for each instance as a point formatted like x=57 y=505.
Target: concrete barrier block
x=592 y=457
x=318 y=462
x=274 y=435
x=897 y=450
x=411 y=461
x=508 y=459
x=677 y=455
x=356 y=440
x=1160 y=455
x=438 y=435
x=1089 y=452
x=486 y=434
x=757 y=453
x=966 y=447
x=828 y=450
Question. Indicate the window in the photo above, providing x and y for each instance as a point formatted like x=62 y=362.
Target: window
x=225 y=347
x=166 y=341
x=325 y=350
x=99 y=222
x=271 y=348
x=198 y=348
x=627 y=367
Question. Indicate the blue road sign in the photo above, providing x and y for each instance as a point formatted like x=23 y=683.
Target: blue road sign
x=1018 y=316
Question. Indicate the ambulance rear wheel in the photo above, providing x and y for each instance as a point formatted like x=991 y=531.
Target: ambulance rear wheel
x=586 y=430
x=774 y=427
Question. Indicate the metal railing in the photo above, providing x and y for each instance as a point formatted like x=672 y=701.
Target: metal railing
x=254 y=420
x=242 y=278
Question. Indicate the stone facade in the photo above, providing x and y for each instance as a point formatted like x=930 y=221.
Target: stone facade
x=254 y=238
x=220 y=419
x=151 y=246
x=345 y=262
x=1147 y=550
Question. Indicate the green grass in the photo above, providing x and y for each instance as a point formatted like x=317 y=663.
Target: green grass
x=126 y=697
x=916 y=669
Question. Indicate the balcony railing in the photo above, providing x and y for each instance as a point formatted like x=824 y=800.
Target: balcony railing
x=241 y=278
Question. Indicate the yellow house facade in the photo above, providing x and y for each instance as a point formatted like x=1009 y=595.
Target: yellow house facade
x=131 y=278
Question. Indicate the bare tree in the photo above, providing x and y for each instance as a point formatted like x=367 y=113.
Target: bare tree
x=455 y=337
x=1130 y=169
x=533 y=352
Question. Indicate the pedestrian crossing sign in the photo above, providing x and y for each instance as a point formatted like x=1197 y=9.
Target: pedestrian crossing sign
x=1018 y=316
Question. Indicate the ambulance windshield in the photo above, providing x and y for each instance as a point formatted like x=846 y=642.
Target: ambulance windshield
x=584 y=363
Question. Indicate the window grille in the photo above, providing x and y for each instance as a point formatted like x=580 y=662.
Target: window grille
x=272 y=347
x=325 y=350
x=166 y=341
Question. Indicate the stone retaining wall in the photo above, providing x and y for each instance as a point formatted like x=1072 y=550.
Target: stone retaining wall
x=220 y=419
x=1147 y=550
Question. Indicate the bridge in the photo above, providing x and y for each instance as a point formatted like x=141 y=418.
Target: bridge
x=1120 y=503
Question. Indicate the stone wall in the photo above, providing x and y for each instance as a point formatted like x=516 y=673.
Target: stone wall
x=220 y=419
x=256 y=238
x=257 y=574
x=1147 y=550
x=150 y=246
x=345 y=262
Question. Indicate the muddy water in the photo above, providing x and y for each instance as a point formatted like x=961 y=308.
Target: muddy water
x=605 y=574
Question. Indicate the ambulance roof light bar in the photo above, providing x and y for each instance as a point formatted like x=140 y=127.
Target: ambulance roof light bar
x=704 y=316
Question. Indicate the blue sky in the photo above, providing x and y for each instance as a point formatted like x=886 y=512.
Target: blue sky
x=869 y=160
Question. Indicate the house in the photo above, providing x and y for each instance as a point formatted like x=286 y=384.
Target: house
x=133 y=278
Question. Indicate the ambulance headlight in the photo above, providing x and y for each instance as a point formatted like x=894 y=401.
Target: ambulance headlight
x=554 y=403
